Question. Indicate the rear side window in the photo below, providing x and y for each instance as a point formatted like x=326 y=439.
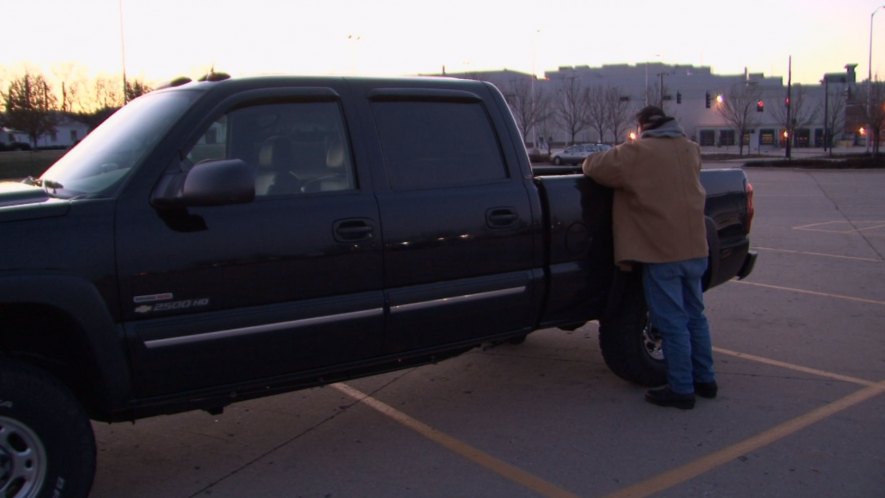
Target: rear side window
x=437 y=144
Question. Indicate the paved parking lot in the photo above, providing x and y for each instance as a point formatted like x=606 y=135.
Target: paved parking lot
x=800 y=352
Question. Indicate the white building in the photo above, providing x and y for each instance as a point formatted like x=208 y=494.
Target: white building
x=692 y=94
x=8 y=136
x=67 y=133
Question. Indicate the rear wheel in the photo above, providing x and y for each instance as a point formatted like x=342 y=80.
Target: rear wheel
x=47 y=447
x=630 y=347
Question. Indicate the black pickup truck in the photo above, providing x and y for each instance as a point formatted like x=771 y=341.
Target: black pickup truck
x=218 y=241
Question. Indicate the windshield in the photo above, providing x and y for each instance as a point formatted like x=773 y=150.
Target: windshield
x=105 y=157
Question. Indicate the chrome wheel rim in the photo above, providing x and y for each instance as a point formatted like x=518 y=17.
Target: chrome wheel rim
x=652 y=343
x=22 y=460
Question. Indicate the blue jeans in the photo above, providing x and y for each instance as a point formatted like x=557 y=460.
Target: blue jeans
x=676 y=307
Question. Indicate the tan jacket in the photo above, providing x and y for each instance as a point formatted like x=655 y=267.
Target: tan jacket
x=658 y=210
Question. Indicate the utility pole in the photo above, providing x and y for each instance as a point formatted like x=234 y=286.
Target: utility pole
x=123 y=55
x=826 y=111
x=661 y=97
x=870 y=85
x=789 y=106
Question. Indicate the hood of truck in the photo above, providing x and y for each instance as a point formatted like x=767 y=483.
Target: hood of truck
x=20 y=201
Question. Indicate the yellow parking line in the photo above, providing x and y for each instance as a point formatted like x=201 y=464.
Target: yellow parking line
x=812 y=293
x=823 y=254
x=853 y=226
x=705 y=464
x=504 y=469
x=798 y=368
x=659 y=482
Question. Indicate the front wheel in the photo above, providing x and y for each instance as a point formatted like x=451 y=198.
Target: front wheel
x=47 y=447
x=630 y=347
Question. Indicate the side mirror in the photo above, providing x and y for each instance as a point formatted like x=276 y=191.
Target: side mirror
x=210 y=183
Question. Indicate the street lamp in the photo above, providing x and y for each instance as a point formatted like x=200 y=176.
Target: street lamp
x=354 y=47
x=870 y=73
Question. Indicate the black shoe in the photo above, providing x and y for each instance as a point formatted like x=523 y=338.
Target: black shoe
x=666 y=397
x=706 y=389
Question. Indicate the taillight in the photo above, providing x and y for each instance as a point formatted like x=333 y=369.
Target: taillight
x=751 y=209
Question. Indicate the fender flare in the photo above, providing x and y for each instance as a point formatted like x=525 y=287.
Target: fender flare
x=78 y=299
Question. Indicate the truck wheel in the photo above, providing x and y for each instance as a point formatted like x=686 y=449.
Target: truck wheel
x=630 y=347
x=47 y=447
x=556 y=160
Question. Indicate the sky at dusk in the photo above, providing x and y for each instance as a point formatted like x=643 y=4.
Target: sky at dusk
x=164 y=39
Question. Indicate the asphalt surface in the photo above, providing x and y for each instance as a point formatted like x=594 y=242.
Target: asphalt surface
x=799 y=352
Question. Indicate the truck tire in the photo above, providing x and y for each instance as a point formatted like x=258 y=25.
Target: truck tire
x=630 y=347
x=47 y=447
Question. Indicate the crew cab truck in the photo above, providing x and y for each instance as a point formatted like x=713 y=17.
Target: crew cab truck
x=217 y=241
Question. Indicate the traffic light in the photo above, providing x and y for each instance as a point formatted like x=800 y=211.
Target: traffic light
x=678 y=97
x=760 y=106
x=707 y=100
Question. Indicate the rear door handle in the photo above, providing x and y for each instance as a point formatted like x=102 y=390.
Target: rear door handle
x=354 y=230
x=501 y=217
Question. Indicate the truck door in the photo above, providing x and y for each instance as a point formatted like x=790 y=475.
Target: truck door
x=287 y=283
x=459 y=227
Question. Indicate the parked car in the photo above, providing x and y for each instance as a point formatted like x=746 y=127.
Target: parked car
x=575 y=154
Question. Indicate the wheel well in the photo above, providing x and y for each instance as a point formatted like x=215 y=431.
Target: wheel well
x=52 y=340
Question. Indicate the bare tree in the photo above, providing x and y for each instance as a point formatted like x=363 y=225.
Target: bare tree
x=608 y=111
x=528 y=105
x=802 y=113
x=833 y=107
x=874 y=116
x=72 y=79
x=136 y=88
x=571 y=107
x=30 y=106
x=547 y=126
x=739 y=108
x=597 y=110
x=618 y=113
x=107 y=94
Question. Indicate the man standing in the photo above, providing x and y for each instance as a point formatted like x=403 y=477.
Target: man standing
x=658 y=223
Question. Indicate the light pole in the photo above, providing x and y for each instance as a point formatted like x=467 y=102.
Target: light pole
x=532 y=88
x=826 y=83
x=354 y=46
x=789 y=132
x=123 y=55
x=661 y=97
x=870 y=76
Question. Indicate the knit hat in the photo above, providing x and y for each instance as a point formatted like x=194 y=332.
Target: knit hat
x=650 y=117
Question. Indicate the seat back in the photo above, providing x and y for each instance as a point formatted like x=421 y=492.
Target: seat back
x=337 y=174
x=276 y=162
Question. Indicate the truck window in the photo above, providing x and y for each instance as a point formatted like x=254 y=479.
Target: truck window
x=293 y=147
x=437 y=144
x=105 y=158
